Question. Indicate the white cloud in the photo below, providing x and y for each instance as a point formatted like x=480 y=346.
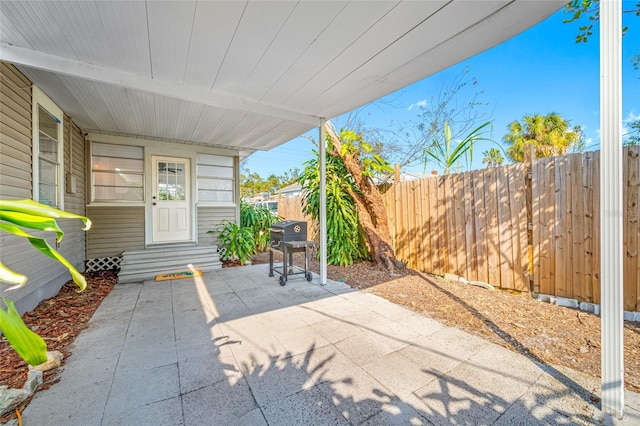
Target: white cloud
x=632 y=116
x=420 y=104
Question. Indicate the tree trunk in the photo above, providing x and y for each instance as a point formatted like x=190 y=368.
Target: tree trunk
x=372 y=215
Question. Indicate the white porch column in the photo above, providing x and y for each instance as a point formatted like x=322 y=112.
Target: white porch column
x=323 y=204
x=611 y=269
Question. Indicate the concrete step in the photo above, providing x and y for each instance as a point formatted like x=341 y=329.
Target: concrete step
x=141 y=265
x=170 y=252
x=136 y=277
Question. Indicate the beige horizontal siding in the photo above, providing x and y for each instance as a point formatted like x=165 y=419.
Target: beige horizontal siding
x=210 y=218
x=74 y=140
x=114 y=230
x=15 y=129
x=45 y=274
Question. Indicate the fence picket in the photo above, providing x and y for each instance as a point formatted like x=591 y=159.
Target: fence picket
x=505 y=229
x=469 y=231
x=562 y=226
x=577 y=281
x=631 y=216
x=588 y=207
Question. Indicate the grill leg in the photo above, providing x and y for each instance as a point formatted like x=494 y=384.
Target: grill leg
x=291 y=262
x=270 y=262
x=284 y=262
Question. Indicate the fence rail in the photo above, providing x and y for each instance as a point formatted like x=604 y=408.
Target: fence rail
x=476 y=225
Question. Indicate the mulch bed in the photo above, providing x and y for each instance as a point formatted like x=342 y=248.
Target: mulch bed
x=58 y=321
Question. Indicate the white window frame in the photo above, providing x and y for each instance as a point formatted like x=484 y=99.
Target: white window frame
x=143 y=173
x=40 y=99
x=201 y=161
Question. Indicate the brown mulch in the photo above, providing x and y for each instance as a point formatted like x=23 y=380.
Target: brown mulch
x=550 y=334
x=58 y=321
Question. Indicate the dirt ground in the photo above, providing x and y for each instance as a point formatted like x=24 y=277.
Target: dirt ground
x=546 y=333
x=550 y=334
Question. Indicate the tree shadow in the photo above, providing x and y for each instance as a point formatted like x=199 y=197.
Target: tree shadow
x=515 y=345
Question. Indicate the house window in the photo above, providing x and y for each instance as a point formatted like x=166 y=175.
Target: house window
x=47 y=150
x=215 y=178
x=117 y=173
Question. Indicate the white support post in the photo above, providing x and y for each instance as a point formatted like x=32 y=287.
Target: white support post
x=323 y=204
x=611 y=270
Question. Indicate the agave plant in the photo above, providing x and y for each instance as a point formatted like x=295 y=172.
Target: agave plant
x=15 y=215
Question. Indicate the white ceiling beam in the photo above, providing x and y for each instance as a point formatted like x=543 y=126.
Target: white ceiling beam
x=71 y=67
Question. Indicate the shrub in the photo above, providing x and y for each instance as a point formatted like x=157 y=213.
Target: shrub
x=236 y=242
x=259 y=219
x=345 y=240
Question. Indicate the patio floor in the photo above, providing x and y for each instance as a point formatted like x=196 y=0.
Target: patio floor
x=234 y=347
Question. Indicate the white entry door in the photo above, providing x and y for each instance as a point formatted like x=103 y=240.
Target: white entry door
x=171 y=200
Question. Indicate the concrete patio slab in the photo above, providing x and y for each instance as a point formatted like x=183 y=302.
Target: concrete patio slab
x=235 y=348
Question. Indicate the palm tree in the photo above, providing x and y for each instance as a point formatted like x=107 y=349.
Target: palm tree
x=492 y=157
x=549 y=134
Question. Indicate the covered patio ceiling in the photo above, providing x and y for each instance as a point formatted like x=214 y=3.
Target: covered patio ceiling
x=248 y=75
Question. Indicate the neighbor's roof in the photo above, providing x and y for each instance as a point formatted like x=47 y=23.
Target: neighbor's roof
x=242 y=74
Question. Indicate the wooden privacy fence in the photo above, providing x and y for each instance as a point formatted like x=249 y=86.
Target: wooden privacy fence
x=471 y=224
x=566 y=226
x=518 y=227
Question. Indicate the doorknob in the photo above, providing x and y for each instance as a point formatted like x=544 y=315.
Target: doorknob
x=153 y=204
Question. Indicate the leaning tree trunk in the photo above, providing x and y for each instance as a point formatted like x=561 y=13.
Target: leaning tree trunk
x=372 y=215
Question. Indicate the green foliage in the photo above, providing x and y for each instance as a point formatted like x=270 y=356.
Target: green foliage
x=27 y=344
x=589 y=10
x=492 y=158
x=251 y=184
x=368 y=156
x=345 y=242
x=549 y=134
x=633 y=136
x=446 y=152
x=259 y=219
x=14 y=216
x=236 y=242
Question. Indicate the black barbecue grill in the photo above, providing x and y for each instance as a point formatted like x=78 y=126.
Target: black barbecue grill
x=288 y=237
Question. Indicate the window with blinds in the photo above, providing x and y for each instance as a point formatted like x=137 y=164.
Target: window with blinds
x=117 y=173
x=215 y=178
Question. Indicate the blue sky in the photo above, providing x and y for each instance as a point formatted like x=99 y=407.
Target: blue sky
x=539 y=71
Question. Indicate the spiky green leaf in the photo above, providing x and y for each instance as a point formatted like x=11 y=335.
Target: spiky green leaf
x=27 y=344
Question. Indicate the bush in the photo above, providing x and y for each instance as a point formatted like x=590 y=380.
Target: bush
x=259 y=219
x=345 y=240
x=236 y=242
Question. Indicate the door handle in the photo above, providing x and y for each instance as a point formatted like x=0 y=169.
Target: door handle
x=153 y=204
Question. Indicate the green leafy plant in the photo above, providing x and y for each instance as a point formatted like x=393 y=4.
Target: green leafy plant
x=236 y=242
x=14 y=216
x=345 y=241
x=259 y=219
x=446 y=152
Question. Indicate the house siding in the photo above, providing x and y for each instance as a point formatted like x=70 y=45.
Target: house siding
x=15 y=129
x=114 y=230
x=46 y=276
x=210 y=218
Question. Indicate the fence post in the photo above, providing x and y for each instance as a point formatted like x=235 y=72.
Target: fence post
x=529 y=158
x=396 y=173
